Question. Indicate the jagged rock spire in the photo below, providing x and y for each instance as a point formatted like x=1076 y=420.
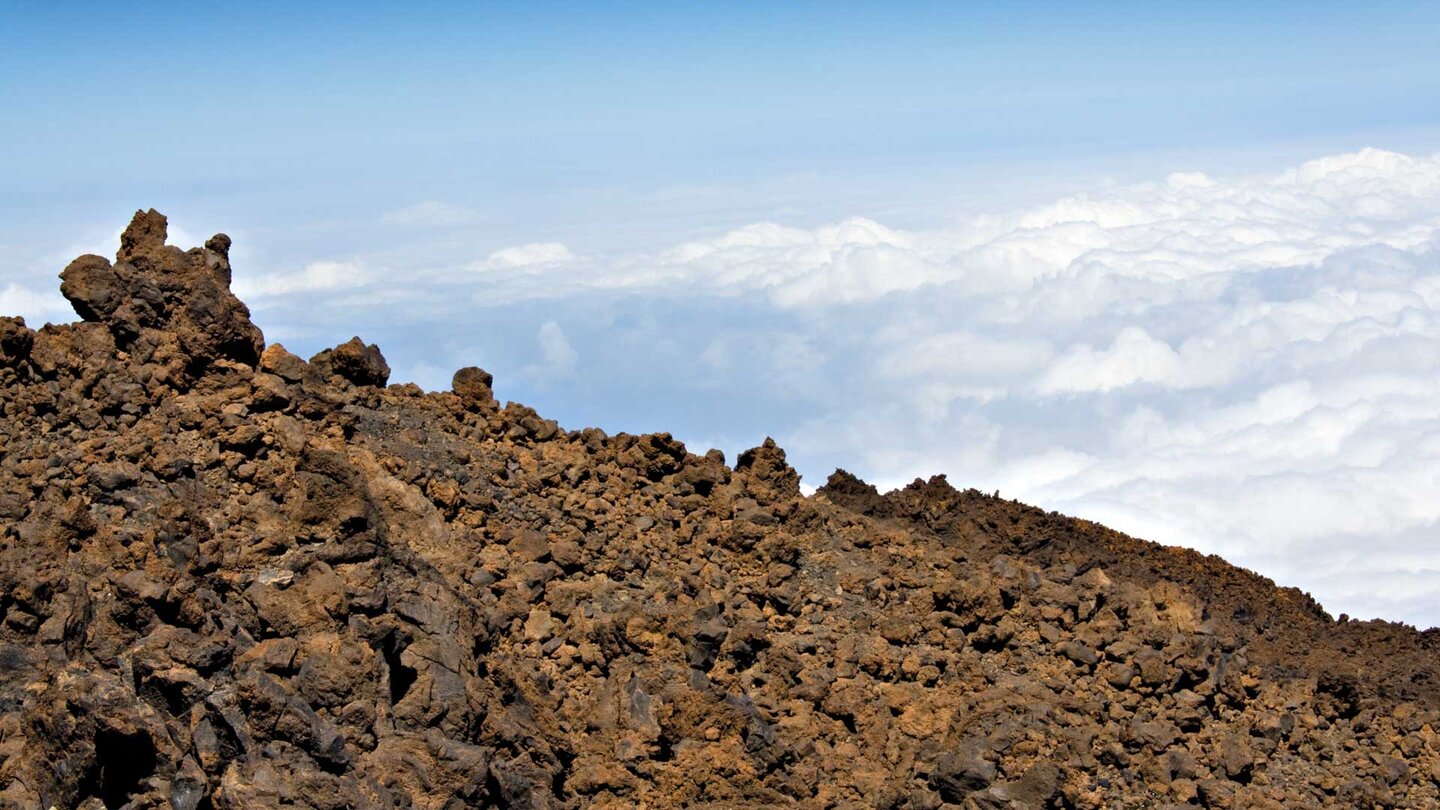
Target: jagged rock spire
x=165 y=302
x=771 y=477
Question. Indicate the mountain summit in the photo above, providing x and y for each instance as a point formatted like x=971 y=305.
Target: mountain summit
x=234 y=578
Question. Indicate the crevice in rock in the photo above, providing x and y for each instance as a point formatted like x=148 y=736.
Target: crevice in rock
x=123 y=761
x=400 y=677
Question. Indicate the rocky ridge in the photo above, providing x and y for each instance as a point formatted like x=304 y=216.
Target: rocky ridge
x=233 y=578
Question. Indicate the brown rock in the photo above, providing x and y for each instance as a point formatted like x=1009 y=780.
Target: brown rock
x=159 y=290
x=958 y=774
x=472 y=385
x=355 y=361
x=15 y=341
x=771 y=477
x=278 y=361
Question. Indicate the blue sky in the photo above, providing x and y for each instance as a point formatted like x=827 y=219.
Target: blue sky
x=563 y=113
x=1172 y=267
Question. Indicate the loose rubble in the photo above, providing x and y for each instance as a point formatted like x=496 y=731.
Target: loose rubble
x=232 y=578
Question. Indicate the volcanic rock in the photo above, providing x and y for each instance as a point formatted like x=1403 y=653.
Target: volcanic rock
x=233 y=579
x=473 y=386
x=15 y=340
x=166 y=303
x=355 y=361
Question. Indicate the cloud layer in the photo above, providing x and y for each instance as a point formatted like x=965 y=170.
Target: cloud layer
x=1248 y=366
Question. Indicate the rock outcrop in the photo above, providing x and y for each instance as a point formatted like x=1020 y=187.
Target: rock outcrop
x=162 y=304
x=232 y=578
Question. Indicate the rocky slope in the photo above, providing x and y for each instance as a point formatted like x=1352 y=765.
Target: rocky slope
x=232 y=578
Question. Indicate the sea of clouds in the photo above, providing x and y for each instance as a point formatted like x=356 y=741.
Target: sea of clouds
x=1249 y=366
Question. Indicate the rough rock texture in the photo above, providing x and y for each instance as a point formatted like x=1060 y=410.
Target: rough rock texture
x=230 y=578
x=356 y=362
x=164 y=306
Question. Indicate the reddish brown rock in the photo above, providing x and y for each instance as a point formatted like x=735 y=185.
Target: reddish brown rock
x=16 y=340
x=473 y=386
x=355 y=361
x=280 y=362
x=163 y=300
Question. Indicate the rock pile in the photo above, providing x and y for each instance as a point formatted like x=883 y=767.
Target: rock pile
x=232 y=578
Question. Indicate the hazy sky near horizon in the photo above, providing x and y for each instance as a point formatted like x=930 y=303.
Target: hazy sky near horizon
x=1170 y=267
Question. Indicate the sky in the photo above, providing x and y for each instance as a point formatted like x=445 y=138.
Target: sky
x=1171 y=267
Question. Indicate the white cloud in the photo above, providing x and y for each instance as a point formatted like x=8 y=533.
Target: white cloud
x=37 y=308
x=322 y=276
x=557 y=356
x=430 y=214
x=1183 y=229
x=1133 y=357
x=538 y=253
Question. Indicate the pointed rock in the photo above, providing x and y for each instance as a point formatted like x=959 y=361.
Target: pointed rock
x=144 y=236
x=772 y=478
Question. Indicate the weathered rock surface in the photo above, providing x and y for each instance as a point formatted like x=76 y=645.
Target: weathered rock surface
x=161 y=304
x=230 y=578
x=357 y=362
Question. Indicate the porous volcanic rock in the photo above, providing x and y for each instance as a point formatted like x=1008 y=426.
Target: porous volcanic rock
x=357 y=362
x=162 y=304
x=230 y=578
